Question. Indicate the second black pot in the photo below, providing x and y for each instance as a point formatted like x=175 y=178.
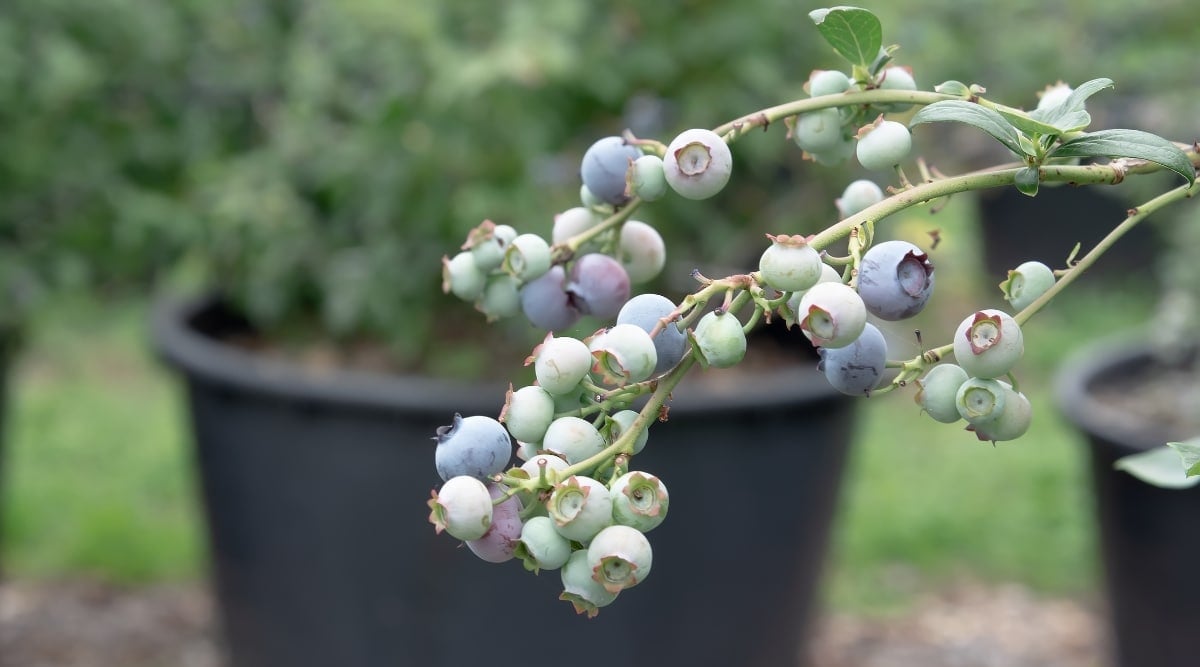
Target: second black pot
x=315 y=489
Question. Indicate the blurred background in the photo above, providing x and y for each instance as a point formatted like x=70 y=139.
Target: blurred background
x=312 y=162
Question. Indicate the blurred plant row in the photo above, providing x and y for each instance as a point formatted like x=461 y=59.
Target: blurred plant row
x=313 y=161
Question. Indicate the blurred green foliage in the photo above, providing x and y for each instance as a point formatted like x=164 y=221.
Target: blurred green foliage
x=314 y=161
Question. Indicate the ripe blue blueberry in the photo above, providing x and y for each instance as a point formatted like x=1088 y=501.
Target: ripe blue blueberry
x=856 y=368
x=831 y=315
x=883 y=144
x=697 y=164
x=620 y=557
x=988 y=344
x=895 y=280
x=645 y=311
x=603 y=169
x=599 y=285
x=476 y=446
x=546 y=303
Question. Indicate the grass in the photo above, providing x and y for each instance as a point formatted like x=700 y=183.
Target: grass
x=99 y=476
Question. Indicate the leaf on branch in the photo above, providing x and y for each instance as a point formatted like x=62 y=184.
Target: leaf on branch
x=1027 y=181
x=1071 y=114
x=1129 y=144
x=961 y=111
x=1158 y=466
x=1029 y=125
x=1189 y=451
x=853 y=32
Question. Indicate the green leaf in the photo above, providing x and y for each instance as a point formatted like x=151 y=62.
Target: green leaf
x=1028 y=125
x=853 y=32
x=1071 y=114
x=1027 y=181
x=961 y=111
x=1129 y=144
x=1158 y=466
x=1190 y=453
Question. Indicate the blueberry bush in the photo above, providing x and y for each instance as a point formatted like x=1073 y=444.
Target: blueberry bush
x=577 y=501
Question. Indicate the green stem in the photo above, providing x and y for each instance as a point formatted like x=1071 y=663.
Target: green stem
x=735 y=129
x=562 y=252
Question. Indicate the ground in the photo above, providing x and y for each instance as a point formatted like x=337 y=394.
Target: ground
x=86 y=624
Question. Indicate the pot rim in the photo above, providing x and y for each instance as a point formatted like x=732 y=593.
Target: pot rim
x=1096 y=363
x=207 y=360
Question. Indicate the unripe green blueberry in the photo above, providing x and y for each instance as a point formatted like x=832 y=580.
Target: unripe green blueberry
x=621 y=422
x=642 y=251
x=537 y=462
x=592 y=202
x=1026 y=283
x=573 y=438
x=981 y=400
x=527 y=450
x=462 y=276
x=501 y=297
x=580 y=589
x=561 y=363
x=857 y=196
x=697 y=164
x=620 y=557
x=541 y=547
x=819 y=131
x=988 y=343
x=488 y=246
x=827 y=82
x=646 y=178
x=883 y=144
x=528 y=412
x=624 y=353
x=572 y=222
x=639 y=500
x=720 y=339
x=836 y=155
x=831 y=315
x=790 y=264
x=897 y=78
x=462 y=507
x=580 y=507
x=1012 y=423
x=938 y=392
x=527 y=258
x=543 y=468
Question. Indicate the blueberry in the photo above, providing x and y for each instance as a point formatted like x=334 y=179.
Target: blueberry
x=857 y=196
x=988 y=343
x=501 y=297
x=527 y=413
x=642 y=251
x=499 y=542
x=462 y=508
x=1013 y=421
x=580 y=589
x=981 y=401
x=639 y=500
x=697 y=164
x=938 y=391
x=895 y=280
x=620 y=557
x=572 y=222
x=527 y=257
x=831 y=315
x=462 y=276
x=827 y=82
x=1053 y=95
x=856 y=368
x=573 y=438
x=477 y=446
x=599 y=285
x=897 y=78
x=546 y=303
x=620 y=422
x=645 y=311
x=721 y=339
x=647 y=179
x=790 y=264
x=580 y=507
x=883 y=144
x=1026 y=283
x=624 y=353
x=561 y=363
x=541 y=547
x=819 y=131
x=604 y=166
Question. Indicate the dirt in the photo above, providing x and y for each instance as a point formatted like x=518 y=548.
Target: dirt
x=89 y=624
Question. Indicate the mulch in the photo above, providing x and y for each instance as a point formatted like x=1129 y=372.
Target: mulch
x=89 y=624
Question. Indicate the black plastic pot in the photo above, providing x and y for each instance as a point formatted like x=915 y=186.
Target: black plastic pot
x=315 y=490
x=1148 y=537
